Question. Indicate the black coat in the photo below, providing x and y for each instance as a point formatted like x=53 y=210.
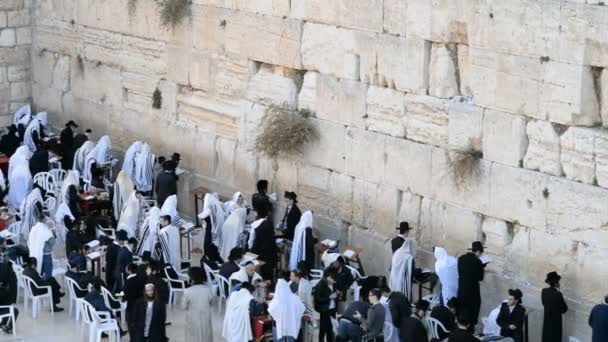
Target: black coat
x=396 y=243
x=261 y=203
x=555 y=307
x=460 y=335
x=470 y=273
x=228 y=268
x=290 y=221
x=157 y=331
x=111 y=257
x=399 y=306
x=411 y=329
x=321 y=294
x=125 y=257
x=517 y=317
x=264 y=244
x=8 y=284
x=166 y=185
x=67 y=147
x=134 y=290
x=39 y=161
x=446 y=317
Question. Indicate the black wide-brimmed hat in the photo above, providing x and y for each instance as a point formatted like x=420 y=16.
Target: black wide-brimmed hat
x=553 y=278
x=403 y=226
x=476 y=246
x=170 y=165
x=516 y=293
x=72 y=124
x=176 y=156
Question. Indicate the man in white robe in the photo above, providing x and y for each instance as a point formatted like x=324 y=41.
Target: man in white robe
x=20 y=181
x=446 y=268
x=144 y=169
x=32 y=135
x=123 y=187
x=129 y=217
x=237 y=323
x=248 y=273
x=101 y=154
x=80 y=156
x=237 y=201
x=286 y=309
x=22 y=155
x=128 y=164
x=402 y=268
x=213 y=209
x=170 y=208
x=169 y=243
x=29 y=211
x=232 y=228
x=149 y=232
x=23 y=115
x=299 y=246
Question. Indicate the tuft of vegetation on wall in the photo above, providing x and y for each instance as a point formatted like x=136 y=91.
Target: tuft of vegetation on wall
x=284 y=132
x=172 y=12
x=464 y=167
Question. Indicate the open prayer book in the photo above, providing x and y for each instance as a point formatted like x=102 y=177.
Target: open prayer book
x=349 y=253
x=93 y=244
x=94 y=255
x=53 y=159
x=179 y=171
x=328 y=242
x=484 y=259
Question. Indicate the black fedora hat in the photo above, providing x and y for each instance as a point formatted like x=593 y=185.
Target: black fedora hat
x=72 y=123
x=476 y=246
x=516 y=293
x=553 y=278
x=176 y=156
x=291 y=195
x=403 y=226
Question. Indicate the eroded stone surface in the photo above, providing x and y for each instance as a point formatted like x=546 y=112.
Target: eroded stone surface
x=544 y=150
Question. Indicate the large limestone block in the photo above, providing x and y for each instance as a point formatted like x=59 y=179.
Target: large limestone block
x=41 y=64
x=375 y=206
x=58 y=37
x=330 y=149
x=204 y=155
x=339 y=52
x=577 y=154
x=409 y=211
x=544 y=151
x=386 y=111
x=439 y=21
x=376 y=253
x=408 y=165
x=465 y=127
x=199 y=109
x=365 y=154
x=209 y=27
x=226 y=153
x=403 y=63
x=464 y=68
x=20 y=91
x=232 y=75
x=443 y=71
x=361 y=15
x=600 y=149
x=274 y=86
x=279 y=8
x=61 y=73
x=251 y=116
x=63 y=10
x=341 y=191
x=589 y=267
x=85 y=84
x=17 y=73
x=198 y=70
x=568 y=94
x=11 y=4
x=19 y=18
x=307 y=98
x=313 y=183
x=515 y=262
x=572 y=205
x=394 y=13
x=48 y=98
x=516 y=195
x=267 y=39
x=8 y=38
x=551 y=252
x=497 y=237
x=426 y=119
x=504 y=137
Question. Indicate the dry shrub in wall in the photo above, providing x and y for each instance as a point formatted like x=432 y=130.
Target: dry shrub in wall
x=172 y=12
x=284 y=132
x=464 y=167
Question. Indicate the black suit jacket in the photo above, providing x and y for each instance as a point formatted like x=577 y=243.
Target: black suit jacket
x=39 y=161
x=261 y=204
x=166 y=185
x=446 y=317
x=157 y=331
x=516 y=317
x=32 y=273
x=396 y=243
x=228 y=268
x=411 y=329
x=459 y=335
x=264 y=244
x=134 y=290
x=555 y=307
x=290 y=221
x=8 y=284
x=399 y=306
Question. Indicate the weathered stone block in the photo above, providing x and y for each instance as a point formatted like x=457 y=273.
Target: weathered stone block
x=307 y=98
x=386 y=111
x=408 y=165
x=340 y=190
x=341 y=100
x=17 y=73
x=84 y=83
x=544 y=151
x=600 y=150
x=409 y=210
x=226 y=150
x=426 y=119
x=604 y=97
x=550 y=252
x=465 y=127
x=20 y=91
x=339 y=52
x=498 y=236
x=394 y=12
x=403 y=63
x=464 y=67
x=577 y=153
x=11 y=4
x=3 y=19
x=439 y=21
x=366 y=154
x=274 y=86
x=504 y=137
x=375 y=206
x=362 y=15
x=18 y=18
x=232 y=75
x=443 y=71
x=24 y=35
x=8 y=37
x=209 y=113
x=330 y=149
x=376 y=249
x=199 y=70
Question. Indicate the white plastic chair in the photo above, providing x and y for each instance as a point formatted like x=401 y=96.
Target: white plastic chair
x=433 y=300
x=18 y=273
x=174 y=289
x=46 y=181
x=433 y=326
x=73 y=287
x=14 y=229
x=355 y=286
x=58 y=177
x=108 y=298
x=11 y=315
x=211 y=279
x=37 y=299
x=99 y=323
x=316 y=274
x=223 y=284
x=50 y=204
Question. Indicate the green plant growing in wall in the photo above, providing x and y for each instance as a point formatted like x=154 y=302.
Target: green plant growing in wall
x=157 y=99
x=131 y=7
x=284 y=132
x=172 y=12
x=464 y=167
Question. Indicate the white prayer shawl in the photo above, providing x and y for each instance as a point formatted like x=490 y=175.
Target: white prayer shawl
x=237 y=325
x=401 y=269
x=490 y=326
x=2 y=181
x=231 y=205
x=81 y=155
x=213 y=209
x=28 y=211
x=130 y=215
x=43 y=118
x=128 y=164
x=329 y=257
x=23 y=115
x=286 y=309
x=232 y=228
x=446 y=268
x=144 y=168
x=22 y=154
x=170 y=208
x=241 y=277
x=38 y=236
x=123 y=187
x=254 y=226
x=28 y=140
x=100 y=154
x=298 y=248
x=20 y=181
x=72 y=178
x=149 y=232
x=63 y=211
x=305 y=292
x=169 y=243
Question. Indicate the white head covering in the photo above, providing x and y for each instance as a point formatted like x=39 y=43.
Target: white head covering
x=22 y=153
x=237 y=325
x=144 y=169
x=23 y=115
x=100 y=154
x=149 y=232
x=286 y=309
x=298 y=248
x=128 y=165
x=81 y=155
x=28 y=140
x=38 y=236
x=254 y=226
x=170 y=208
x=130 y=215
x=401 y=269
x=446 y=268
x=43 y=118
x=123 y=187
x=20 y=179
x=213 y=209
x=229 y=206
x=63 y=211
x=232 y=228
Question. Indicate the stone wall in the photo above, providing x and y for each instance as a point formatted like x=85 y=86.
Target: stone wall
x=385 y=79
x=15 y=43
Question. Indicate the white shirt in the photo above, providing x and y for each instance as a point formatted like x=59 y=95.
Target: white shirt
x=332 y=302
x=148 y=318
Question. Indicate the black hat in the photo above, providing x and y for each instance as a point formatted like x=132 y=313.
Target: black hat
x=176 y=156
x=423 y=305
x=72 y=123
x=291 y=195
x=88 y=130
x=121 y=235
x=476 y=246
x=170 y=165
x=516 y=293
x=553 y=278
x=403 y=227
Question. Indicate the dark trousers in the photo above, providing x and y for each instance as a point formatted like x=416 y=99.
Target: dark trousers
x=130 y=317
x=7 y=321
x=325 y=327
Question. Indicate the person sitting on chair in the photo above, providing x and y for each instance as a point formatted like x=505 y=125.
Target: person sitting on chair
x=95 y=298
x=31 y=272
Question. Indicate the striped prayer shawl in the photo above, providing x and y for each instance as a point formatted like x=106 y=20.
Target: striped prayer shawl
x=169 y=243
x=28 y=136
x=144 y=168
x=28 y=211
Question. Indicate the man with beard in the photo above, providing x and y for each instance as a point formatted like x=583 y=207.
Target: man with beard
x=150 y=317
